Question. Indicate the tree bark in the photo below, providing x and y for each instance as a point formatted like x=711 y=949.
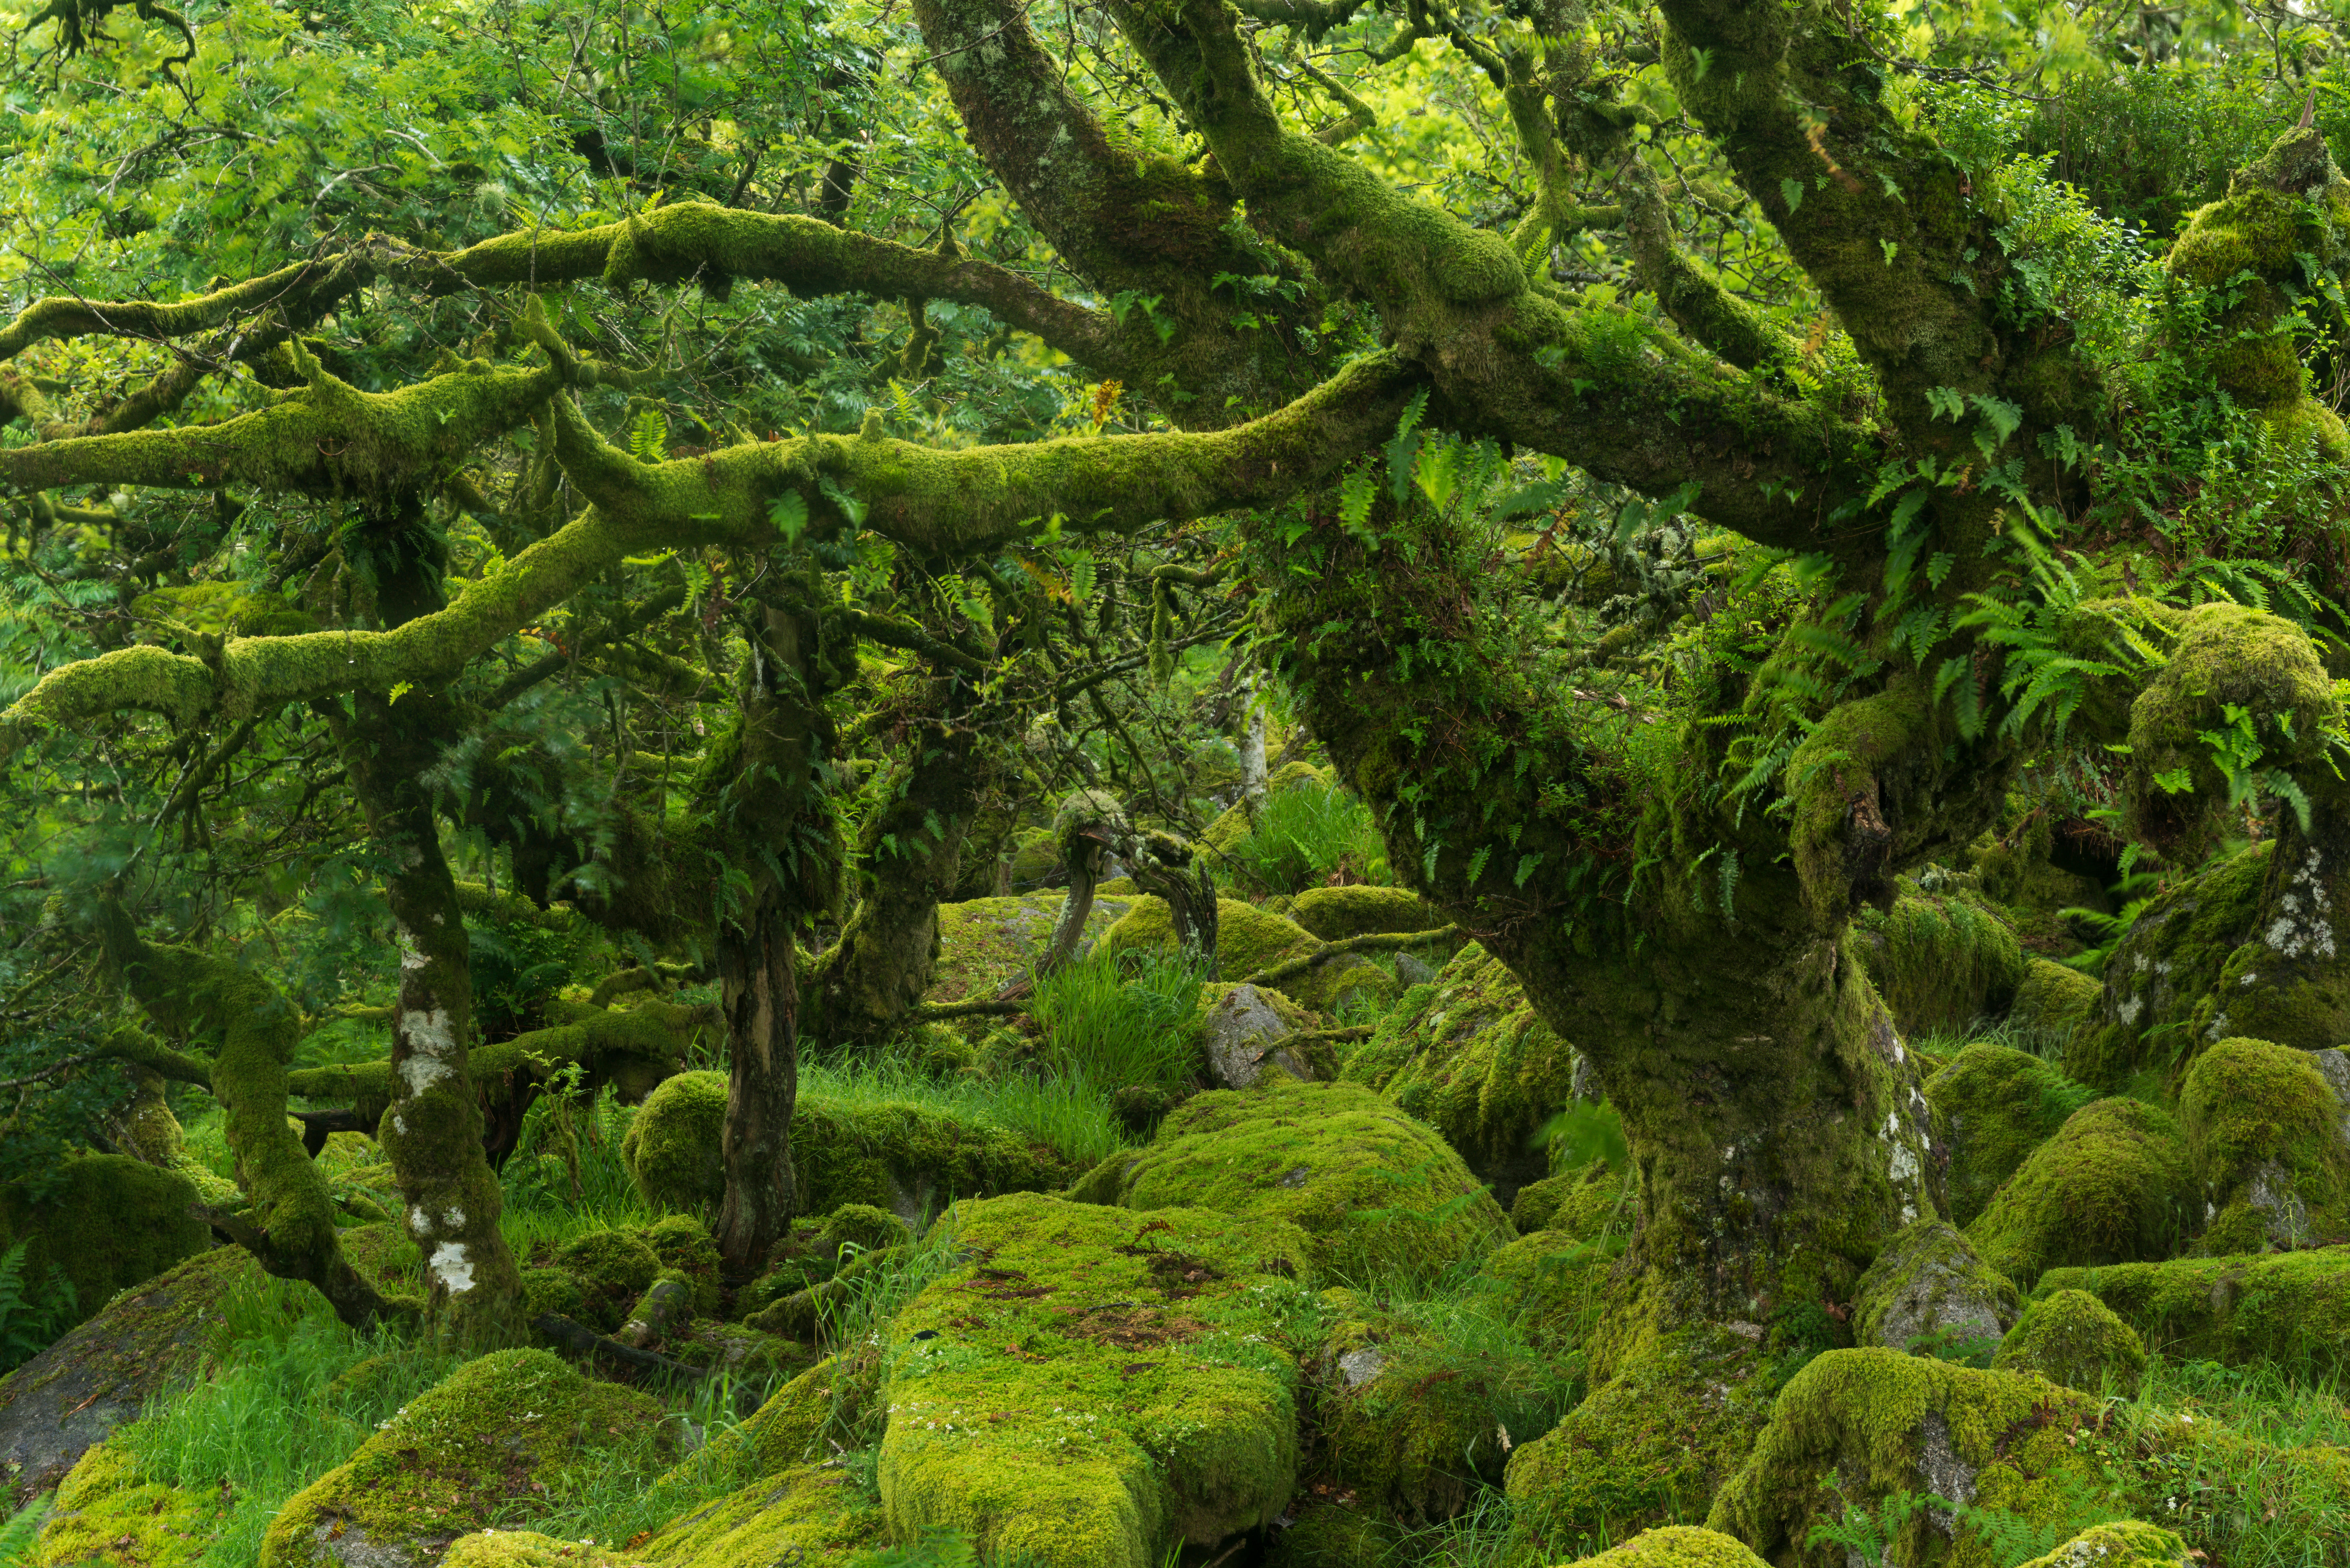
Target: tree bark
x=758 y=981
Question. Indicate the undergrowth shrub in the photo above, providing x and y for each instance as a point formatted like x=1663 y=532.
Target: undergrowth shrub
x=1304 y=836
x=1123 y=1020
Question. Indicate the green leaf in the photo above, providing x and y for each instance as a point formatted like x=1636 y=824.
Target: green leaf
x=1792 y=193
x=789 y=514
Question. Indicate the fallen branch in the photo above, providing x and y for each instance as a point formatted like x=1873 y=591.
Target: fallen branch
x=995 y=1009
x=585 y=1342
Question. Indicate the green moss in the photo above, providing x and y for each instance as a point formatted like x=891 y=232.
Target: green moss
x=1334 y=914
x=105 y=1513
x=2265 y=1130
x=1995 y=1106
x=515 y=1430
x=1406 y=1428
x=552 y=1290
x=1250 y=938
x=1649 y=1446
x=2126 y=1543
x=1558 y=1283
x=1370 y=1185
x=812 y=1515
x=2072 y=1338
x=1928 y=1290
x=613 y=1268
x=1095 y=1385
x=905 y=1158
x=108 y=1222
x=524 y=1548
x=2054 y=999
x=1886 y=1422
x=862 y=1227
x=1574 y=1202
x=1941 y=960
x=1676 y=1546
x=2164 y=971
x=684 y=1246
x=2113 y=1185
x=1468 y=1055
x=2291 y=1310
x=986 y=943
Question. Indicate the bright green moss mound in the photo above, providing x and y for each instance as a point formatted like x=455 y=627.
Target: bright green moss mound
x=1928 y=1290
x=906 y=1158
x=806 y=1516
x=1577 y=1201
x=1887 y=1422
x=2072 y=1337
x=1097 y=1384
x=611 y=1270
x=1250 y=938
x=2291 y=1310
x=2160 y=978
x=1941 y=960
x=111 y=1222
x=1995 y=1106
x=1558 y=1281
x=2113 y=1186
x=515 y=1430
x=104 y=1512
x=1368 y=1185
x=2053 y=1002
x=1409 y=1429
x=1468 y=1056
x=1676 y=1546
x=1645 y=1447
x=2265 y=1130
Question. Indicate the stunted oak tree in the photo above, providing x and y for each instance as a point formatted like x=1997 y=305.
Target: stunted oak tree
x=1886 y=413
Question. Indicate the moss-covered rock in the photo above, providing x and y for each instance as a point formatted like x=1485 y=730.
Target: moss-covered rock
x=861 y=1227
x=1334 y=914
x=1676 y=1546
x=2160 y=978
x=1468 y=1056
x=1368 y=1185
x=105 y=1222
x=986 y=943
x=1576 y=1201
x=1251 y=939
x=1927 y=1292
x=2072 y=1337
x=2113 y=1185
x=1243 y=1030
x=898 y=1156
x=810 y=1517
x=612 y=1268
x=105 y=1512
x=2265 y=1129
x=1095 y=1384
x=2126 y=1543
x=95 y=1378
x=1556 y=1282
x=1649 y=1446
x=1995 y=1104
x=515 y=1431
x=685 y=1247
x=1940 y=958
x=2291 y=1309
x=1405 y=1425
x=1884 y=1422
x=2053 y=1002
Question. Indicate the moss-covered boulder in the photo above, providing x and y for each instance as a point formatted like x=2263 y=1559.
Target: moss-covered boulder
x=2159 y=999
x=106 y=1512
x=2113 y=1185
x=1244 y=1031
x=2053 y=1002
x=1556 y=1282
x=1367 y=1184
x=1676 y=1546
x=2265 y=1129
x=2291 y=1309
x=103 y=1223
x=2072 y=1337
x=1646 y=1447
x=1941 y=958
x=1334 y=914
x=1468 y=1055
x=1577 y=1201
x=1251 y=939
x=1886 y=1422
x=1095 y=1384
x=2125 y=1544
x=1411 y=1429
x=513 y=1431
x=612 y=1268
x=95 y=1378
x=1994 y=1105
x=1928 y=1293
x=899 y=1156
x=986 y=943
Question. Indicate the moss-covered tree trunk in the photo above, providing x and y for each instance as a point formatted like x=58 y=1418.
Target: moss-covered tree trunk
x=910 y=852
x=772 y=813
x=431 y=1132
